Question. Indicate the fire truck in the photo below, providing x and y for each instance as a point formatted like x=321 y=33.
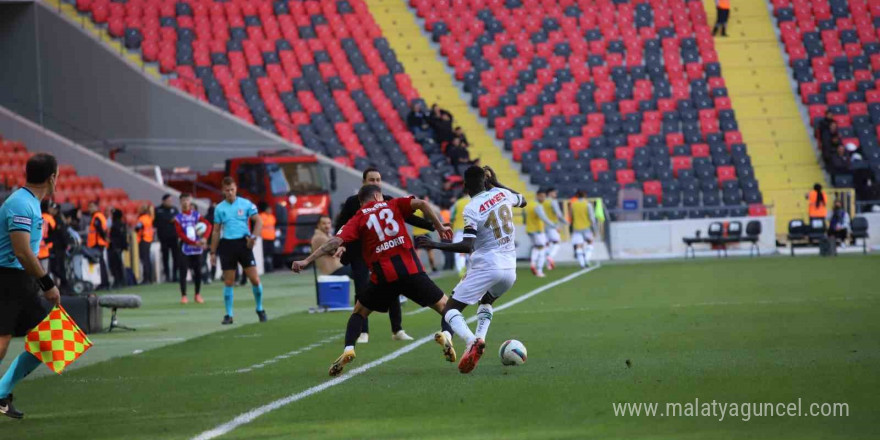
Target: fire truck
x=293 y=184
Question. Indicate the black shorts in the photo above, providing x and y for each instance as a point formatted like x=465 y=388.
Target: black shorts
x=419 y=287
x=723 y=15
x=21 y=308
x=234 y=252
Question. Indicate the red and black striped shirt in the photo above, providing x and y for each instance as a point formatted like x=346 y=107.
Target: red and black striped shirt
x=386 y=245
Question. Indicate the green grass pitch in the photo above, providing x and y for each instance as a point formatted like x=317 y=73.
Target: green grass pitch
x=738 y=330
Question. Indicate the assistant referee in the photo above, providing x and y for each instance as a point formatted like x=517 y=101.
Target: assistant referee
x=21 y=276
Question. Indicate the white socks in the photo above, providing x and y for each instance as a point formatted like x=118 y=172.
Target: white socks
x=542 y=258
x=484 y=318
x=579 y=253
x=456 y=320
x=588 y=252
x=534 y=256
x=551 y=253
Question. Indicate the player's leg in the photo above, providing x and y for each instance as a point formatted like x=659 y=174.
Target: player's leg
x=374 y=297
x=183 y=268
x=195 y=268
x=20 y=311
x=431 y=262
x=360 y=274
x=540 y=240
x=504 y=281
x=228 y=264
x=553 y=239
x=588 y=247
x=395 y=314
x=533 y=257
x=249 y=267
x=577 y=240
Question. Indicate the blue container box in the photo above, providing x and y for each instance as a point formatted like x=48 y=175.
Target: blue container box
x=334 y=291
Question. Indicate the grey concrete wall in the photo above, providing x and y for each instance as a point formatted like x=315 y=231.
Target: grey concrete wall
x=19 y=74
x=87 y=162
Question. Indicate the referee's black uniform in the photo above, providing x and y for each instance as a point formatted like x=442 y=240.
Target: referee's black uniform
x=354 y=257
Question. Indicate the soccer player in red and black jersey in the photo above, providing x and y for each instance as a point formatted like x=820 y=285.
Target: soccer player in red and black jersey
x=395 y=268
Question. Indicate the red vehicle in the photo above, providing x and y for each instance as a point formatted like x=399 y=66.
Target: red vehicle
x=294 y=185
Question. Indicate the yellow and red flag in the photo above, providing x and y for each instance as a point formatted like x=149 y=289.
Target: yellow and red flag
x=57 y=341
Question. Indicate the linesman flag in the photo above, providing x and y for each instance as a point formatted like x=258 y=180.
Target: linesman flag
x=57 y=341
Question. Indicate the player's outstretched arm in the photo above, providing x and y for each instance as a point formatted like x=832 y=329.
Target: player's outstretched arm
x=465 y=246
x=492 y=179
x=328 y=248
x=419 y=222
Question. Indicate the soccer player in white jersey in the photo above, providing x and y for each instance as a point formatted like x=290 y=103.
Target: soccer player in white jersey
x=489 y=239
x=555 y=215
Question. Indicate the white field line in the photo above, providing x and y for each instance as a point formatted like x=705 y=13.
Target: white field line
x=289 y=354
x=253 y=414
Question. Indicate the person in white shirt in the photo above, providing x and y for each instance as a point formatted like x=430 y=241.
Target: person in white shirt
x=489 y=239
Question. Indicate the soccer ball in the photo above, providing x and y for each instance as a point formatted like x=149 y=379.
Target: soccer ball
x=200 y=229
x=512 y=352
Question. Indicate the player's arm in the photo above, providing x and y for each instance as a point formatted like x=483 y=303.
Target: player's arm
x=539 y=210
x=592 y=215
x=492 y=178
x=558 y=211
x=258 y=226
x=181 y=234
x=328 y=248
x=430 y=216
x=419 y=222
x=21 y=247
x=465 y=246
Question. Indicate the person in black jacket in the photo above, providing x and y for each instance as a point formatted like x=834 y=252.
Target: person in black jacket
x=118 y=244
x=59 y=240
x=354 y=257
x=164 y=224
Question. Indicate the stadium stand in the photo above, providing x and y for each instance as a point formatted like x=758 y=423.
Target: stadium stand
x=834 y=54
x=72 y=188
x=604 y=95
x=436 y=83
x=319 y=74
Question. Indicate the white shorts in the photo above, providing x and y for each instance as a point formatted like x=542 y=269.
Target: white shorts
x=582 y=236
x=477 y=283
x=553 y=235
x=538 y=238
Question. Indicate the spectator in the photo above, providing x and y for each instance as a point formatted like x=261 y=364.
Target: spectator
x=164 y=222
x=818 y=207
x=145 y=233
x=459 y=156
x=826 y=129
x=839 y=162
x=441 y=122
x=118 y=244
x=59 y=240
x=839 y=224
x=459 y=133
x=328 y=264
x=722 y=14
x=418 y=121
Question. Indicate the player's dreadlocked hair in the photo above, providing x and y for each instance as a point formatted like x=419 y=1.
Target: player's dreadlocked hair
x=367 y=191
x=474 y=180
